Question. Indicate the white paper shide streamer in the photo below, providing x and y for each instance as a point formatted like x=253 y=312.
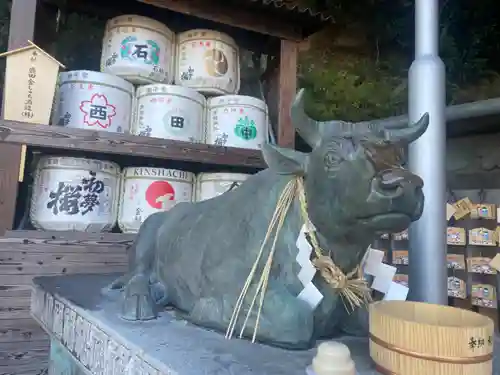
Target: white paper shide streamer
x=383 y=275
x=310 y=294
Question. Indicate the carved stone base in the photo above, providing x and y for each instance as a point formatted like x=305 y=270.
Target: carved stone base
x=89 y=338
x=62 y=362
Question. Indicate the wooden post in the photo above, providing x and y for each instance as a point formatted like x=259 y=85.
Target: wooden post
x=21 y=29
x=287 y=87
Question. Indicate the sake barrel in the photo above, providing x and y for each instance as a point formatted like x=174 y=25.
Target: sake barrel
x=236 y=121
x=169 y=112
x=207 y=61
x=415 y=338
x=139 y=49
x=148 y=190
x=75 y=194
x=93 y=101
x=211 y=185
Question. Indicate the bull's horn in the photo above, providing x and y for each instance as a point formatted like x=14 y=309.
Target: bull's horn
x=311 y=130
x=409 y=133
x=307 y=128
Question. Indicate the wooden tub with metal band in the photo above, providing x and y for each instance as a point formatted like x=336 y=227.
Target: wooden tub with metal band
x=415 y=338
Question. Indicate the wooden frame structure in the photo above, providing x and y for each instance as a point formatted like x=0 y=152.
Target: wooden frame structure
x=265 y=26
x=280 y=26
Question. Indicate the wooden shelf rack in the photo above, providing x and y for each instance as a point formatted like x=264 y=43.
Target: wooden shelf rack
x=266 y=26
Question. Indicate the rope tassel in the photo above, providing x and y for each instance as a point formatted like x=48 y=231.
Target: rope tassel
x=353 y=288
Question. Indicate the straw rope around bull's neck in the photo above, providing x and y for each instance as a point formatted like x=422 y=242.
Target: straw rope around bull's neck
x=352 y=287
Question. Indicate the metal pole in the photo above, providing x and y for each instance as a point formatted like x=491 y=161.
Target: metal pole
x=427 y=158
x=479 y=108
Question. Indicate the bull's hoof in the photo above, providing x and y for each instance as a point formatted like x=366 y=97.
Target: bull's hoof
x=138 y=303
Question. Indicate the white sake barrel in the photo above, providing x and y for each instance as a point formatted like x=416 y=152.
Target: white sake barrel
x=75 y=194
x=169 y=112
x=148 y=190
x=93 y=101
x=211 y=185
x=207 y=61
x=236 y=121
x=139 y=49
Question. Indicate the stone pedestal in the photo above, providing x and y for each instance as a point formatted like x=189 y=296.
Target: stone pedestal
x=89 y=338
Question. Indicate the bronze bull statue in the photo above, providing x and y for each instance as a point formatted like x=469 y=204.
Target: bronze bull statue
x=197 y=256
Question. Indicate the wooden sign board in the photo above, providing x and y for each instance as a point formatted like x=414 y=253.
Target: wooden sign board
x=30 y=84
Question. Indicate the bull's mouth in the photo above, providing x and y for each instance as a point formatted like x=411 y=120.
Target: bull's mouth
x=392 y=222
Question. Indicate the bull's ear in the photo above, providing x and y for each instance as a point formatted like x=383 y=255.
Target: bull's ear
x=284 y=160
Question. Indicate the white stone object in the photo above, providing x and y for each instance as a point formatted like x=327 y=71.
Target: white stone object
x=75 y=194
x=207 y=61
x=139 y=49
x=169 y=112
x=94 y=101
x=146 y=190
x=211 y=185
x=236 y=121
x=333 y=358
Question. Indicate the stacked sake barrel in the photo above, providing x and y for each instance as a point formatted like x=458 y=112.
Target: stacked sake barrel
x=156 y=84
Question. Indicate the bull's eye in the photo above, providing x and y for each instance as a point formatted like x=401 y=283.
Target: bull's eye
x=331 y=160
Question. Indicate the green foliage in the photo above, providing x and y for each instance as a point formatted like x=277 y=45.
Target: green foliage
x=374 y=86
x=350 y=88
x=4 y=32
x=79 y=42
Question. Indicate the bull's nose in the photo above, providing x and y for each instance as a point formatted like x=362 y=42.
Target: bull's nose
x=393 y=178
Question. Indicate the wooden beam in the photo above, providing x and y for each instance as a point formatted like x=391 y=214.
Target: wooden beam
x=287 y=88
x=232 y=15
x=21 y=29
x=64 y=138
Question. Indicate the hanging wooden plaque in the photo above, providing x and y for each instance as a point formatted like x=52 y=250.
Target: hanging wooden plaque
x=456 y=261
x=400 y=257
x=462 y=208
x=482 y=237
x=457 y=288
x=456 y=236
x=480 y=265
x=401 y=235
x=483 y=211
x=484 y=295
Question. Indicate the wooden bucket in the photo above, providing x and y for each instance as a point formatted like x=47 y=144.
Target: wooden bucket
x=414 y=338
